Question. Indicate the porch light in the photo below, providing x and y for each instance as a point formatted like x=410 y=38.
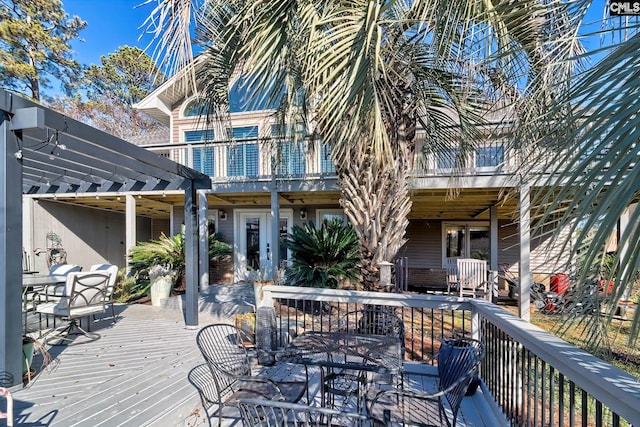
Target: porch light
x=303 y=213
x=222 y=214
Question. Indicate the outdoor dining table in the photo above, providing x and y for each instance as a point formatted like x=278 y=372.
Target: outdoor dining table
x=345 y=350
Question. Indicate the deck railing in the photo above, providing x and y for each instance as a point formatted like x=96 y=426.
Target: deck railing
x=536 y=378
x=250 y=159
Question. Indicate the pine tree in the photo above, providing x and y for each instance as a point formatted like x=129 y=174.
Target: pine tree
x=35 y=46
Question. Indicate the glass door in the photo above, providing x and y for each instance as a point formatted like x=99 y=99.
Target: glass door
x=254 y=240
x=254 y=251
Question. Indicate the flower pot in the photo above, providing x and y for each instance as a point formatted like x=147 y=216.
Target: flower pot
x=27 y=354
x=258 y=292
x=458 y=355
x=160 y=289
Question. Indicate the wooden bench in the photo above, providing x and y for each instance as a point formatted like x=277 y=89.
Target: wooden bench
x=430 y=280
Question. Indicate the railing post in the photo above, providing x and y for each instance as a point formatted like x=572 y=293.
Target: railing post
x=475 y=323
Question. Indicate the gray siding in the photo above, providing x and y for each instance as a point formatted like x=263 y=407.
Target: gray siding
x=90 y=236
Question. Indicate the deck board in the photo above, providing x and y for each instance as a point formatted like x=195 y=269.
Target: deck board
x=136 y=374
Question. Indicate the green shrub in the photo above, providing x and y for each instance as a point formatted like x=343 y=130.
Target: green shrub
x=323 y=257
x=168 y=251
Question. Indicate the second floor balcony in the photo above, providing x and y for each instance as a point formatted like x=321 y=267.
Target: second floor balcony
x=256 y=159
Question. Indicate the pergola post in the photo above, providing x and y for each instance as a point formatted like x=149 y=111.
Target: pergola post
x=191 y=254
x=524 y=234
x=130 y=225
x=10 y=250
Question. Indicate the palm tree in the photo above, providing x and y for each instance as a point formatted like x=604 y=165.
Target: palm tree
x=593 y=178
x=364 y=75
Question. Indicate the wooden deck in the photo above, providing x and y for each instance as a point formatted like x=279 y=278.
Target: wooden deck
x=136 y=375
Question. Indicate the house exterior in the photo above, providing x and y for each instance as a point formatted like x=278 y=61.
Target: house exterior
x=251 y=179
x=258 y=193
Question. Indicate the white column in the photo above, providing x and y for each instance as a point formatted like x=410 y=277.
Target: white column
x=203 y=233
x=623 y=249
x=130 y=225
x=524 y=233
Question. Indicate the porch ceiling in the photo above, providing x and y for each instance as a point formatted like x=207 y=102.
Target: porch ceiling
x=469 y=204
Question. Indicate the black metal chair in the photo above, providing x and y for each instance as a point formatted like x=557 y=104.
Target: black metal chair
x=349 y=384
x=277 y=413
x=458 y=366
x=231 y=376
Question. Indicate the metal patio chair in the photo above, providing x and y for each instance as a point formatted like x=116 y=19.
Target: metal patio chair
x=278 y=413
x=458 y=366
x=113 y=276
x=84 y=295
x=230 y=366
x=349 y=384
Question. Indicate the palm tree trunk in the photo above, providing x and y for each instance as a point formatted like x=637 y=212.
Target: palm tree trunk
x=375 y=197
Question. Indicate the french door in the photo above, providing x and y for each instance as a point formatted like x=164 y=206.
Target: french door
x=254 y=242
x=465 y=240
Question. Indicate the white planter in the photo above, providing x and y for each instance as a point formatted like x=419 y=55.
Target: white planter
x=258 y=292
x=160 y=289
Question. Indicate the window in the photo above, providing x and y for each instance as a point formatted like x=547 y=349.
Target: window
x=199 y=135
x=203 y=160
x=292 y=160
x=329 y=215
x=203 y=157
x=446 y=159
x=489 y=156
x=244 y=132
x=242 y=160
x=195 y=108
x=326 y=164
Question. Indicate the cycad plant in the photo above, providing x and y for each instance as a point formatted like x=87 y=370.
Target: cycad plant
x=322 y=257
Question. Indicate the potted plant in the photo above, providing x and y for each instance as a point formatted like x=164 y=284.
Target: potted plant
x=161 y=278
x=259 y=278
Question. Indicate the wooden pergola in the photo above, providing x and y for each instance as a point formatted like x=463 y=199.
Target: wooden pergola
x=45 y=152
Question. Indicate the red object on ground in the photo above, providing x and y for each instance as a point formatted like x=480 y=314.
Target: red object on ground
x=609 y=289
x=559 y=283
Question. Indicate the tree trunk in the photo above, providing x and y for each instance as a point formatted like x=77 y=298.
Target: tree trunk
x=375 y=197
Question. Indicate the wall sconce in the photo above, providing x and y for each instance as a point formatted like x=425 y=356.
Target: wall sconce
x=222 y=214
x=303 y=213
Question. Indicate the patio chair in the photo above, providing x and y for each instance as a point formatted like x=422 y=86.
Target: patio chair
x=54 y=291
x=458 y=366
x=230 y=366
x=278 y=413
x=472 y=277
x=84 y=295
x=369 y=320
x=113 y=275
x=202 y=379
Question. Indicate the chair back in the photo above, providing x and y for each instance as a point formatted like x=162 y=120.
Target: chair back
x=222 y=349
x=202 y=379
x=85 y=293
x=113 y=275
x=277 y=413
x=458 y=363
x=63 y=269
x=472 y=276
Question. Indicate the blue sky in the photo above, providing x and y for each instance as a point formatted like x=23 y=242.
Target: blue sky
x=110 y=24
x=114 y=23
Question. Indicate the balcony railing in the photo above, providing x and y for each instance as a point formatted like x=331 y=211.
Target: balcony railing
x=251 y=159
x=536 y=378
